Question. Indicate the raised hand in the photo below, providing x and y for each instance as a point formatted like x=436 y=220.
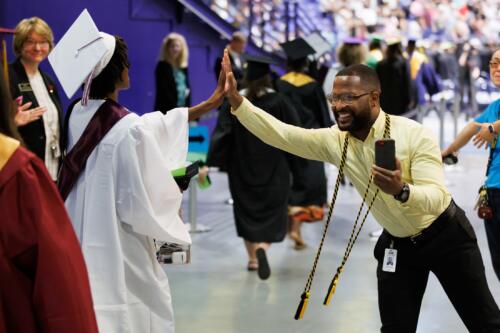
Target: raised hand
x=483 y=137
x=230 y=89
x=25 y=115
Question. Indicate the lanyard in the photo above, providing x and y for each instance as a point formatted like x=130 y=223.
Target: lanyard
x=354 y=234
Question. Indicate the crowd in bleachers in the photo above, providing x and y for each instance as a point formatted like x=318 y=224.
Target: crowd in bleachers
x=457 y=37
x=454 y=21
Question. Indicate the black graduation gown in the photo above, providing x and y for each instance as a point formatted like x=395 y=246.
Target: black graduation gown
x=33 y=134
x=259 y=175
x=396 y=85
x=166 y=88
x=309 y=179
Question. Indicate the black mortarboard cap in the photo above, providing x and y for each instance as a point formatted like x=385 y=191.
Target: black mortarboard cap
x=297 y=49
x=257 y=66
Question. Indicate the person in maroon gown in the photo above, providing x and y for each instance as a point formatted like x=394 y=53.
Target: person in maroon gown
x=44 y=285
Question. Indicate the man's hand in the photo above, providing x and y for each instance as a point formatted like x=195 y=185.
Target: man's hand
x=24 y=115
x=483 y=137
x=389 y=181
x=230 y=89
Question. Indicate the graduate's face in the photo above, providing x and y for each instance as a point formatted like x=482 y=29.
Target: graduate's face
x=350 y=103
x=495 y=68
x=35 y=48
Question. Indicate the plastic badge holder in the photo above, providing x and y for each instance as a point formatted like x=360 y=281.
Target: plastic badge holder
x=182 y=176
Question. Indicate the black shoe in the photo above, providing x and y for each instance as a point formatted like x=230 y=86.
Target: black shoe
x=264 y=271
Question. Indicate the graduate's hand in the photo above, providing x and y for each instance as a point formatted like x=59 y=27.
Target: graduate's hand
x=230 y=89
x=389 y=181
x=483 y=137
x=25 y=115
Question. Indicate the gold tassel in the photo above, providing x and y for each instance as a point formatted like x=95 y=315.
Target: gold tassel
x=331 y=289
x=302 y=305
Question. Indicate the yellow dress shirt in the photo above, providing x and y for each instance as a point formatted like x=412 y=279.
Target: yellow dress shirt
x=416 y=148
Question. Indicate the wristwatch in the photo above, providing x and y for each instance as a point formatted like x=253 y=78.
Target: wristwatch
x=404 y=194
x=491 y=129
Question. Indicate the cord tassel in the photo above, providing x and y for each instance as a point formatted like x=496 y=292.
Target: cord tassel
x=331 y=289
x=302 y=305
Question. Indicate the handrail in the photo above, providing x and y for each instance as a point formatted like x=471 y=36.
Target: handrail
x=297 y=22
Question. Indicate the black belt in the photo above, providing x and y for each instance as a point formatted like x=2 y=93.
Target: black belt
x=431 y=231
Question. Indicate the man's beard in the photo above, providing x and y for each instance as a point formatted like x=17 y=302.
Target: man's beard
x=354 y=122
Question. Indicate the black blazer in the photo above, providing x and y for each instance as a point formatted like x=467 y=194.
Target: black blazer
x=33 y=133
x=166 y=89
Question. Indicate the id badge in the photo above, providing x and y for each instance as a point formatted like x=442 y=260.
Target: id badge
x=390 y=258
x=24 y=87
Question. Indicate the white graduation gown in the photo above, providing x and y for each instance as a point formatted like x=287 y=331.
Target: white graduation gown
x=125 y=198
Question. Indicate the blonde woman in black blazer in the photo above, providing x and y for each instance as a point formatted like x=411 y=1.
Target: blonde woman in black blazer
x=172 y=81
x=39 y=114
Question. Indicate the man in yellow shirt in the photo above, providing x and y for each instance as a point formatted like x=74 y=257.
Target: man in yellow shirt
x=421 y=221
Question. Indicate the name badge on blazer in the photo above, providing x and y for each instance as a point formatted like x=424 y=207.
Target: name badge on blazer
x=24 y=87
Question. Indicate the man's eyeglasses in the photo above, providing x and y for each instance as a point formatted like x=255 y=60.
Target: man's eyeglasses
x=33 y=43
x=494 y=64
x=345 y=98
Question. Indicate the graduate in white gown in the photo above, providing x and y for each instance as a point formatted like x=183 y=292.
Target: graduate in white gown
x=123 y=196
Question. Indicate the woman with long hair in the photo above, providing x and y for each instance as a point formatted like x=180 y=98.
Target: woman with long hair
x=172 y=81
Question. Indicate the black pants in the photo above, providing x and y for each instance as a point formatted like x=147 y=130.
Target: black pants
x=493 y=229
x=449 y=249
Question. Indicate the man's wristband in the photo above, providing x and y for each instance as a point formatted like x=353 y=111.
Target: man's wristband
x=404 y=194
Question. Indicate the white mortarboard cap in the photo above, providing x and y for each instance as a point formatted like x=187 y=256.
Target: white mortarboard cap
x=81 y=54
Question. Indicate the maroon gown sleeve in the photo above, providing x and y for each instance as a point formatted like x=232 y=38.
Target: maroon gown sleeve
x=46 y=264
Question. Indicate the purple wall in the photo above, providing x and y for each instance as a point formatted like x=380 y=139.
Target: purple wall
x=143 y=24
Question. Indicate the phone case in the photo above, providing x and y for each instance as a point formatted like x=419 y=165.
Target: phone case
x=385 y=154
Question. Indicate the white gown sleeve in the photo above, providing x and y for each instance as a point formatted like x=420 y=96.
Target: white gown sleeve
x=148 y=198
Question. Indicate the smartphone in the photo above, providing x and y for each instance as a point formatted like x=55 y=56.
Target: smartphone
x=385 y=154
